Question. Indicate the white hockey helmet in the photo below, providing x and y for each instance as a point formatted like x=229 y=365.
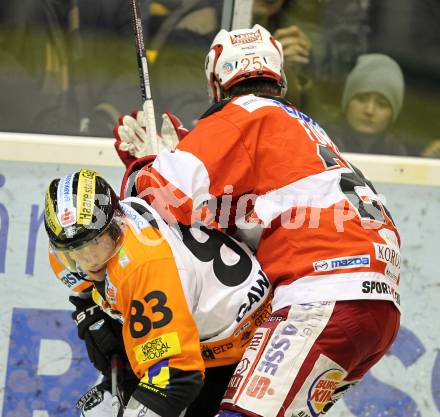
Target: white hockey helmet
x=242 y=54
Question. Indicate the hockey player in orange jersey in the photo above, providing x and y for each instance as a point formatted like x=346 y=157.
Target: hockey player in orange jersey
x=189 y=298
x=271 y=175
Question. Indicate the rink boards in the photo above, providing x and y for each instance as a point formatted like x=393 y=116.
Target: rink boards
x=43 y=367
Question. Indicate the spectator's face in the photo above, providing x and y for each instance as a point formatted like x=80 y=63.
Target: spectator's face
x=267 y=7
x=93 y=257
x=369 y=113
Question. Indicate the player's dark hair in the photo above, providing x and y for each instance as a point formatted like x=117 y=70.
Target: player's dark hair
x=263 y=86
x=114 y=228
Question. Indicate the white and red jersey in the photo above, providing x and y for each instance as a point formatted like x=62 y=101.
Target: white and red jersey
x=320 y=230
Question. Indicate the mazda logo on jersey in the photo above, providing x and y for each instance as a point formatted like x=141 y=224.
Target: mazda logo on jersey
x=320 y=266
x=347 y=262
x=321 y=390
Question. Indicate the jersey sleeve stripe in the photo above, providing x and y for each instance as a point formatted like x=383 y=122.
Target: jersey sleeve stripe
x=193 y=182
x=321 y=191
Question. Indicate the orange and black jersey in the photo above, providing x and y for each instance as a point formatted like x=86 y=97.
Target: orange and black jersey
x=189 y=298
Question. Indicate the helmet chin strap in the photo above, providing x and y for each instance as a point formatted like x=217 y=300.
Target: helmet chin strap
x=217 y=91
x=93 y=280
x=283 y=84
x=84 y=278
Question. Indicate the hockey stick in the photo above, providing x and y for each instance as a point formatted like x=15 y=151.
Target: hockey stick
x=116 y=399
x=237 y=14
x=144 y=76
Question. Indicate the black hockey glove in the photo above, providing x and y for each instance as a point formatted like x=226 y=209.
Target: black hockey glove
x=101 y=334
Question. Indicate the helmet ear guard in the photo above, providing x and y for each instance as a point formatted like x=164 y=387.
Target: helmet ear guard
x=283 y=84
x=210 y=63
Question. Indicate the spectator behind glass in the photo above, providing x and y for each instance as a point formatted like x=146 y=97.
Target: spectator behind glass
x=71 y=65
x=104 y=69
x=177 y=74
x=371 y=102
x=277 y=17
x=409 y=30
x=432 y=150
x=35 y=72
x=325 y=37
x=17 y=111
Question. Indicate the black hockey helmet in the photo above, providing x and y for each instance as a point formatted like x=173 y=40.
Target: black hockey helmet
x=78 y=208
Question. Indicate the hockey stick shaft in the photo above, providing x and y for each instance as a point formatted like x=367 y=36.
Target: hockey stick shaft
x=116 y=401
x=144 y=76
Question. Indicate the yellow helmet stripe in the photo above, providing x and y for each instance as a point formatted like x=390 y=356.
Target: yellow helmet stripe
x=85 y=196
x=51 y=217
